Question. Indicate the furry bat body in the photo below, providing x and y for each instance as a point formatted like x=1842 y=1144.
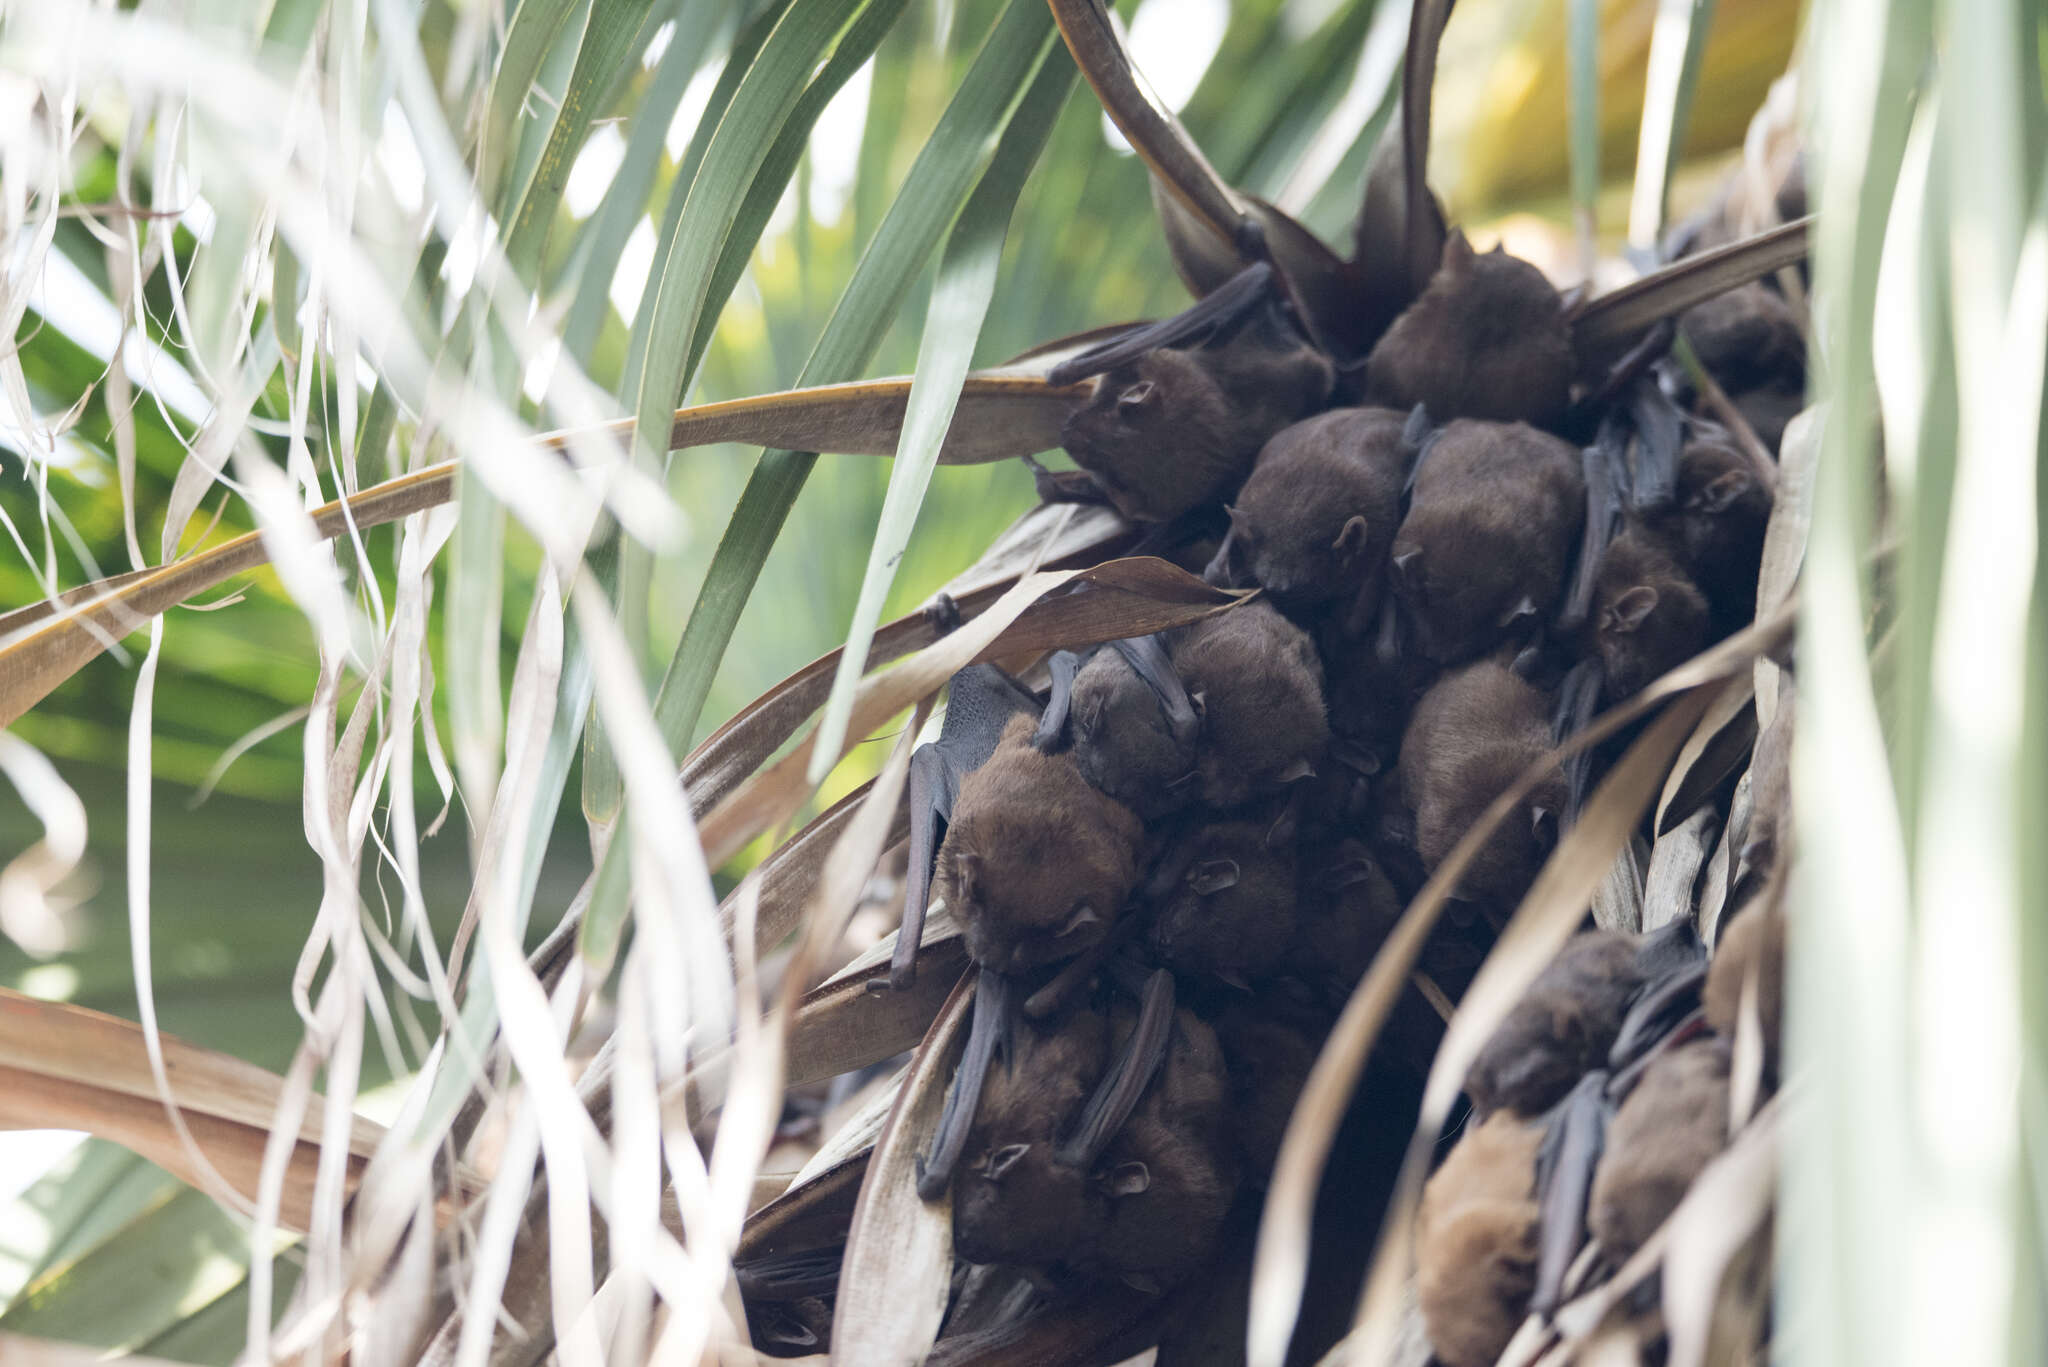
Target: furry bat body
x=1487 y=339
x=1647 y=616
x=1715 y=528
x=1494 y=515
x=1669 y=1129
x=1471 y=737
x=1475 y=1241
x=1131 y=724
x=1231 y=915
x=1257 y=682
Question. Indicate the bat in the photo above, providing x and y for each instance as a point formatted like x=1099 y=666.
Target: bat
x=1647 y=616
x=1476 y=1241
x=1752 y=945
x=1669 y=1128
x=1747 y=338
x=1130 y=722
x=1605 y=468
x=1659 y=426
x=1471 y=737
x=980 y=701
x=1269 y=1045
x=1572 y=1144
x=1716 y=527
x=1231 y=915
x=1257 y=683
x=1036 y=864
x=1491 y=523
x=1346 y=907
x=1488 y=338
x=1169 y=1170
x=1562 y=1029
x=1313 y=522
x=1169 y=427
x=1770 y=796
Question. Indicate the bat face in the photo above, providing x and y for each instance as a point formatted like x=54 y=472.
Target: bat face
x=1036 y=864
x=1013 y=1202
x=1123 y=742
x=1471 y=737
x=1314 y=520
x=1347 y=906
x=1647 y=617
x=1668 y=1130
x=1258 y=684
x=1495 y=512
x=1716 y=527
x=1475 y=1242
x=1561 y=1029
x=1232 y=914
x=1487 y=339
x=1176 y=428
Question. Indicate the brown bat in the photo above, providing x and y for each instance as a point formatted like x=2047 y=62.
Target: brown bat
x=1257 y=684
x=1488 y=339
x=1492 y=520
x=1170 y=1169
x=1231 y=915
x=1669 y=1128
x=1647 y=617
x=1180 y=410
x=1131 y=724
x=1716 y=525
x=1471 y=737
x=1346 y=908
x=1747 y=338
x=1036 y=863
x=1561 y=1029
x=1269 y=1045
x=1313 y=523
x=1475 y=1241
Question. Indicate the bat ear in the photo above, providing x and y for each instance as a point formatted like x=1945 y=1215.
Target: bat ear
x=1351 y=540
x=1543 y=824
x=1128 y=1179
x=1002 y=1160
x=1721 y=492
x=1213 y=876
x=1416 y=430
x=967 y=871
x=1525 y=608
x=1457 y=257
x=1295 y=772
x=1632 y=609
x=1136 y=398
x=1408 y=565
x=1082 y=917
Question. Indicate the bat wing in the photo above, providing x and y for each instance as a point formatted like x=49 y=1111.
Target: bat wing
x=989 y=1030
x=1219 y=311
x=1571 y=1150
x=1117 y=1095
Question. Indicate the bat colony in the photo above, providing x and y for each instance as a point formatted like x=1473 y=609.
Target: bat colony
x=1174 y=862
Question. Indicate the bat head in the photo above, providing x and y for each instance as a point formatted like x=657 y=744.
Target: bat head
x=1747 y=338
x=1036 y=863
x=1561 y=1029
x=1647 y=615
x=1488 y=338
x=1232 y=915
x=1717 y=522
x=1158 y=434
x=1123 y=744
x=1313 y=520
x=1257 y=681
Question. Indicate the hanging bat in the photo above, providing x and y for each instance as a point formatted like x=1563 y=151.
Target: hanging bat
x=1669 y=1128
x=1561 y=1029
x=1180 y=409
x=1231 y=915
x=1487 y=339
x=1130 y=722
x=1346 y=907
x=1269 y=1045
x=1257 y=684
x=1647 y=616
x=1036 y=864
x=1472 y=736
x=1716 y=526
x=1491 y=523
x=1312 y=524
x=1169 y=1168
x=1747 y=338
x=1475 y=1241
